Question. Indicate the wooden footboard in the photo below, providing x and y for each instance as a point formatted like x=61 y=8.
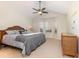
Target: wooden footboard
x=2 y=33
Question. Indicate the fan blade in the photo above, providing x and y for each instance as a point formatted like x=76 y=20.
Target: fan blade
x=45 y=12
x=35 y=9
x=35 y=12
x=43 y=8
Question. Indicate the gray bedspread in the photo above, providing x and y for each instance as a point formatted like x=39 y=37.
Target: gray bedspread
x=31 y=42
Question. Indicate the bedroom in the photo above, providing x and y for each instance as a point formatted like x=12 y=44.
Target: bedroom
x=60 y=17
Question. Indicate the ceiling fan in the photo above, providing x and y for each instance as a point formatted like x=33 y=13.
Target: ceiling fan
x=40 y=10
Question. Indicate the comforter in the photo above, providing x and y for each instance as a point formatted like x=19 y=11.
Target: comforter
x=31 y=42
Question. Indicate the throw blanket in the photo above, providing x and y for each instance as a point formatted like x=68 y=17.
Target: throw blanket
x=31 y=42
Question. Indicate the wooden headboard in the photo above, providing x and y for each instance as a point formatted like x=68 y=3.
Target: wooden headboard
x=15 y=28
x=3 y=32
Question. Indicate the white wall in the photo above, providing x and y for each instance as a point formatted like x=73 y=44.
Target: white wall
x=14 y=13
x=61 y=25
x=73 y=18
x=55 y=20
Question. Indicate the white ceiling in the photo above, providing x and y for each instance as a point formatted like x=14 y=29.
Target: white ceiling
x=60 y=7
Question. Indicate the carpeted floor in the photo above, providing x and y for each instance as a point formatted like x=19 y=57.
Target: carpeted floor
x=50 y=49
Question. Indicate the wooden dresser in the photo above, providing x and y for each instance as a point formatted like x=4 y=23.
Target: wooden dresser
x=69 y=44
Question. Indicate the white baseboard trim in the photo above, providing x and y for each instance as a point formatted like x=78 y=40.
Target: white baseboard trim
x=53 y=38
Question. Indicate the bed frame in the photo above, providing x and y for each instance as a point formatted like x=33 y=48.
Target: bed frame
x=3 y=32
x=12 y=43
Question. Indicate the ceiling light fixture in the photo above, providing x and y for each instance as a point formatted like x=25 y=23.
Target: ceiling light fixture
x=40 y=10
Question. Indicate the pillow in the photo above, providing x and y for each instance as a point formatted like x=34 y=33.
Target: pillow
x=12 y=32
x=22 y=31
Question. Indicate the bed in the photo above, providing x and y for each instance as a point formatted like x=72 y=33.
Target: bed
x=28 y=42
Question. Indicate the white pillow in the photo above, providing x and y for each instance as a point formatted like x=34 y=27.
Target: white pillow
x=12 y=32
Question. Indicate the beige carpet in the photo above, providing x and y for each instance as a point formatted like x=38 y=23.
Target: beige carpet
x=50 y=49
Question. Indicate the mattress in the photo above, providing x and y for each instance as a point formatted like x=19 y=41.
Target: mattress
x=9 y=39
